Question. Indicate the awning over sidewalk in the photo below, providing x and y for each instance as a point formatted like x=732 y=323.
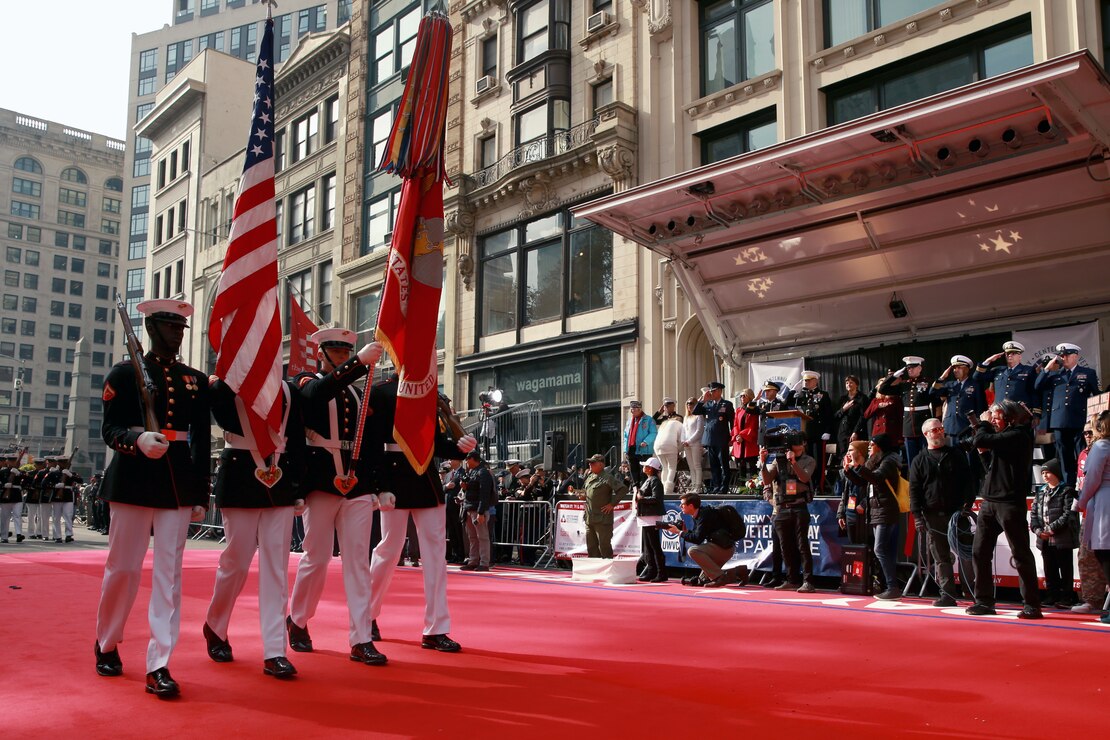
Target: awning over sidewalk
x=985 y=203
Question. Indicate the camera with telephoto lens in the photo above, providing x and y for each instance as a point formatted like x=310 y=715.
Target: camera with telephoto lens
x=973 y=419
x=782 y=438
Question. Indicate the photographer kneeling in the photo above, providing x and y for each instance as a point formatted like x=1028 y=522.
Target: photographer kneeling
x=786 y=483
x=713 y=545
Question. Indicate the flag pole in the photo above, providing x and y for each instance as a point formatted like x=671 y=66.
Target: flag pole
x=270 y=5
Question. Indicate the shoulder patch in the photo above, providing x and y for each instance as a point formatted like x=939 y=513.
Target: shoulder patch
x=303 y=381
x=109 y=393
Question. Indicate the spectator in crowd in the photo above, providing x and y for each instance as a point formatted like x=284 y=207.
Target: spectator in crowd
x=1055 y=523
x=940 y=485
x=787 y=483
x=649 y=512
x=668 y=443
x=1071 y=385
x=880 y=474
x=567 y=482
x=745 y=434
x=478 y=497
x=453 y=473
x=848 y=418
x=638 y=440
x=1094 y=501
x=1006 y=444
x=851 y=515
x=769 y=399
x=917 y=402
x=538 y=486
x=884 y=415
x=814 y=402
x=712 y=547
x=1092 y=582
x=693 y=428
x=508 y=480
x=602 y=492
x=1013 y=381
x=717 y=437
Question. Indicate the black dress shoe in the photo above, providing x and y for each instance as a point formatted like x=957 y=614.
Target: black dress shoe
x=108 y=664
x=69 y=538
x=467 y=566
x=1030 y=612
x=374 y=633
x=19 y=538
x=365 y=652
x=278 y=668
x=161 y=684
x=298 y=636
x=481 y=569
x=659 y=579
x=980 y=610
x=58 y=540
x=218 y=650
x=442 y=643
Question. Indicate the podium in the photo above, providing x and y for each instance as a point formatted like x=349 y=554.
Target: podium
x=789 y=418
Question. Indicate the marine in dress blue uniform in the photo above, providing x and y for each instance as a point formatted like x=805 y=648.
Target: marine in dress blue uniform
x=1071 y=384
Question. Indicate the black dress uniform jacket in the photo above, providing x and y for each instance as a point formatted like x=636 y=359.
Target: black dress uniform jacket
x=917 y=401
x=389 y=470
x=33 y=486
x=237 y=486
x=10 y=491
x=320 y=394
x=817 y=405
x=181 y=476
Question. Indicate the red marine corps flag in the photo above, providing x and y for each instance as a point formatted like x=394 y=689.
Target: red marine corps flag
x=245 y=327
x=409 y=311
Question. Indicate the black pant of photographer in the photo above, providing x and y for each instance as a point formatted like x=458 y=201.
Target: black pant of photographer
x=994 y=519
x=710 y=558
x=792 y=526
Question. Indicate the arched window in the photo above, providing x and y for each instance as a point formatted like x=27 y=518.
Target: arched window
x=72 y=174
x=27 y=164
x=114 y=183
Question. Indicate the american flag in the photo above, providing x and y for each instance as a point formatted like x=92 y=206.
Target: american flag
x=245 y=328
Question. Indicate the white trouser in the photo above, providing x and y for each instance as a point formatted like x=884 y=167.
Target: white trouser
x=32 y=519
x=695 y=453
x=669 y=461
x=55 y=518
x=11 y=511
x=351 y=519
x=247 y=530
x=128 y=541
x=67 y=517
x=431 y=531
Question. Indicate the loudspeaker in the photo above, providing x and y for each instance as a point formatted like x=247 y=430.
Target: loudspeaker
x=555 y=451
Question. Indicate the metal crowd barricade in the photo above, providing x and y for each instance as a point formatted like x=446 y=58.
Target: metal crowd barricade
x=212 y=527
x=515 y=433
x=527 y=526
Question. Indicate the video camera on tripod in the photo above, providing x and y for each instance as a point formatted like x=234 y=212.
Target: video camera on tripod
x=782 y=438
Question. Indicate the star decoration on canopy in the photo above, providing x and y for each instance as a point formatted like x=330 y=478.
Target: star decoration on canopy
x=750 y=254
x=760 y=286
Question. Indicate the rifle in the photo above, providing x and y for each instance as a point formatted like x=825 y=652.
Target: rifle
x=147 y=388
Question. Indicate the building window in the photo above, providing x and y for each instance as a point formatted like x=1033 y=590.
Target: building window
x=77 y=265
x=177 y=56
x=53 y=377
x=11 y=278
x=79 y=242
x=7 y=325
x=283 y=35
x=61 y=262
x=746 y=135
x=115 y=184
x=26 y=351
x=27 y=328
x=324 y=309
x=28 y=164
x=344 y=12
x=73 y=333
x=542 y=26
x=13 y=254
x=279 y=150
x=847 y=19
x=487 y=148
x=102 y=292
x=394 y=43
x=26 y=187
x=10 y=301
x=312 y=20
x=15 y=231
x=602 y=94
x=31 y=258
x=542 y=270
x=243 y=41
x=380 y=126
x=30 y=304
x=379 y=221
x=298 y=287
x=141 y=168
x=72 y=174
x=51 y=399
x=57 y=308
x=302 y=214
x=329 y=203
x=112 y=205
x=305 y=130
x=109 y=226
x=213 y=41
x=100 y=313
x=538 y=122
x=737 y=42
x=488 y=62
x=69 y=218
x=366 y=310
x=25 y=210
x=100 y=336
x=72 y=197
x=331 y=118
x=970 y=59
x=140 y=196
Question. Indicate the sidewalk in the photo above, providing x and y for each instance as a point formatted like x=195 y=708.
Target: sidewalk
x=86 y=539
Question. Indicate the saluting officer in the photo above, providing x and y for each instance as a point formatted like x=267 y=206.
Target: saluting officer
x=917 y=401
x=157 y=480
x=337 y=504
x=963 y=394
x=717 y=437
x=1071 y=384
x=1014 y=381
x=815 y=403
x=258 y=498
x=404 y=492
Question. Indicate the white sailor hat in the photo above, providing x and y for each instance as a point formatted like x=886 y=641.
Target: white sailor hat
x=172 y=312
x=960 y=360
x=1013 y=346
x=810 y=375
x=912 y=360
x=511 y=462
x=1067 y=348
x=334 y=337
x=668 y=399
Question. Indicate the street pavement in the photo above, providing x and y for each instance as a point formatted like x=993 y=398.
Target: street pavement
x=86 y=539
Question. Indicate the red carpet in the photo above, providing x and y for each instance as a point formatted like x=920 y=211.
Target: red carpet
x=545 y=657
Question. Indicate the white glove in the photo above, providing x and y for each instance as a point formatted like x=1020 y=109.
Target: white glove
x=152 y=444
x=825 y=437
x=387 y=501
x=467 y=443
x=375 y=502
x=371 y=353
x=797 y=385
x=900 y=372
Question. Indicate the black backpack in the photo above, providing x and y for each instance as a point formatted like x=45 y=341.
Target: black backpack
x=730 y=521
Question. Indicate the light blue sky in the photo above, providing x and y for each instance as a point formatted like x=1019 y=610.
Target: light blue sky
x=67 y=60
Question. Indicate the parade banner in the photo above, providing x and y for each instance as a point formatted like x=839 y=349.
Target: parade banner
x=784 y=372
x=570 y=531
x=1040 y=342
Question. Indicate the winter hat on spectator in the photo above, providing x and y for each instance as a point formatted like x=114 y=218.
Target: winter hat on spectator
x=1053 y=466
x=885 y=442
